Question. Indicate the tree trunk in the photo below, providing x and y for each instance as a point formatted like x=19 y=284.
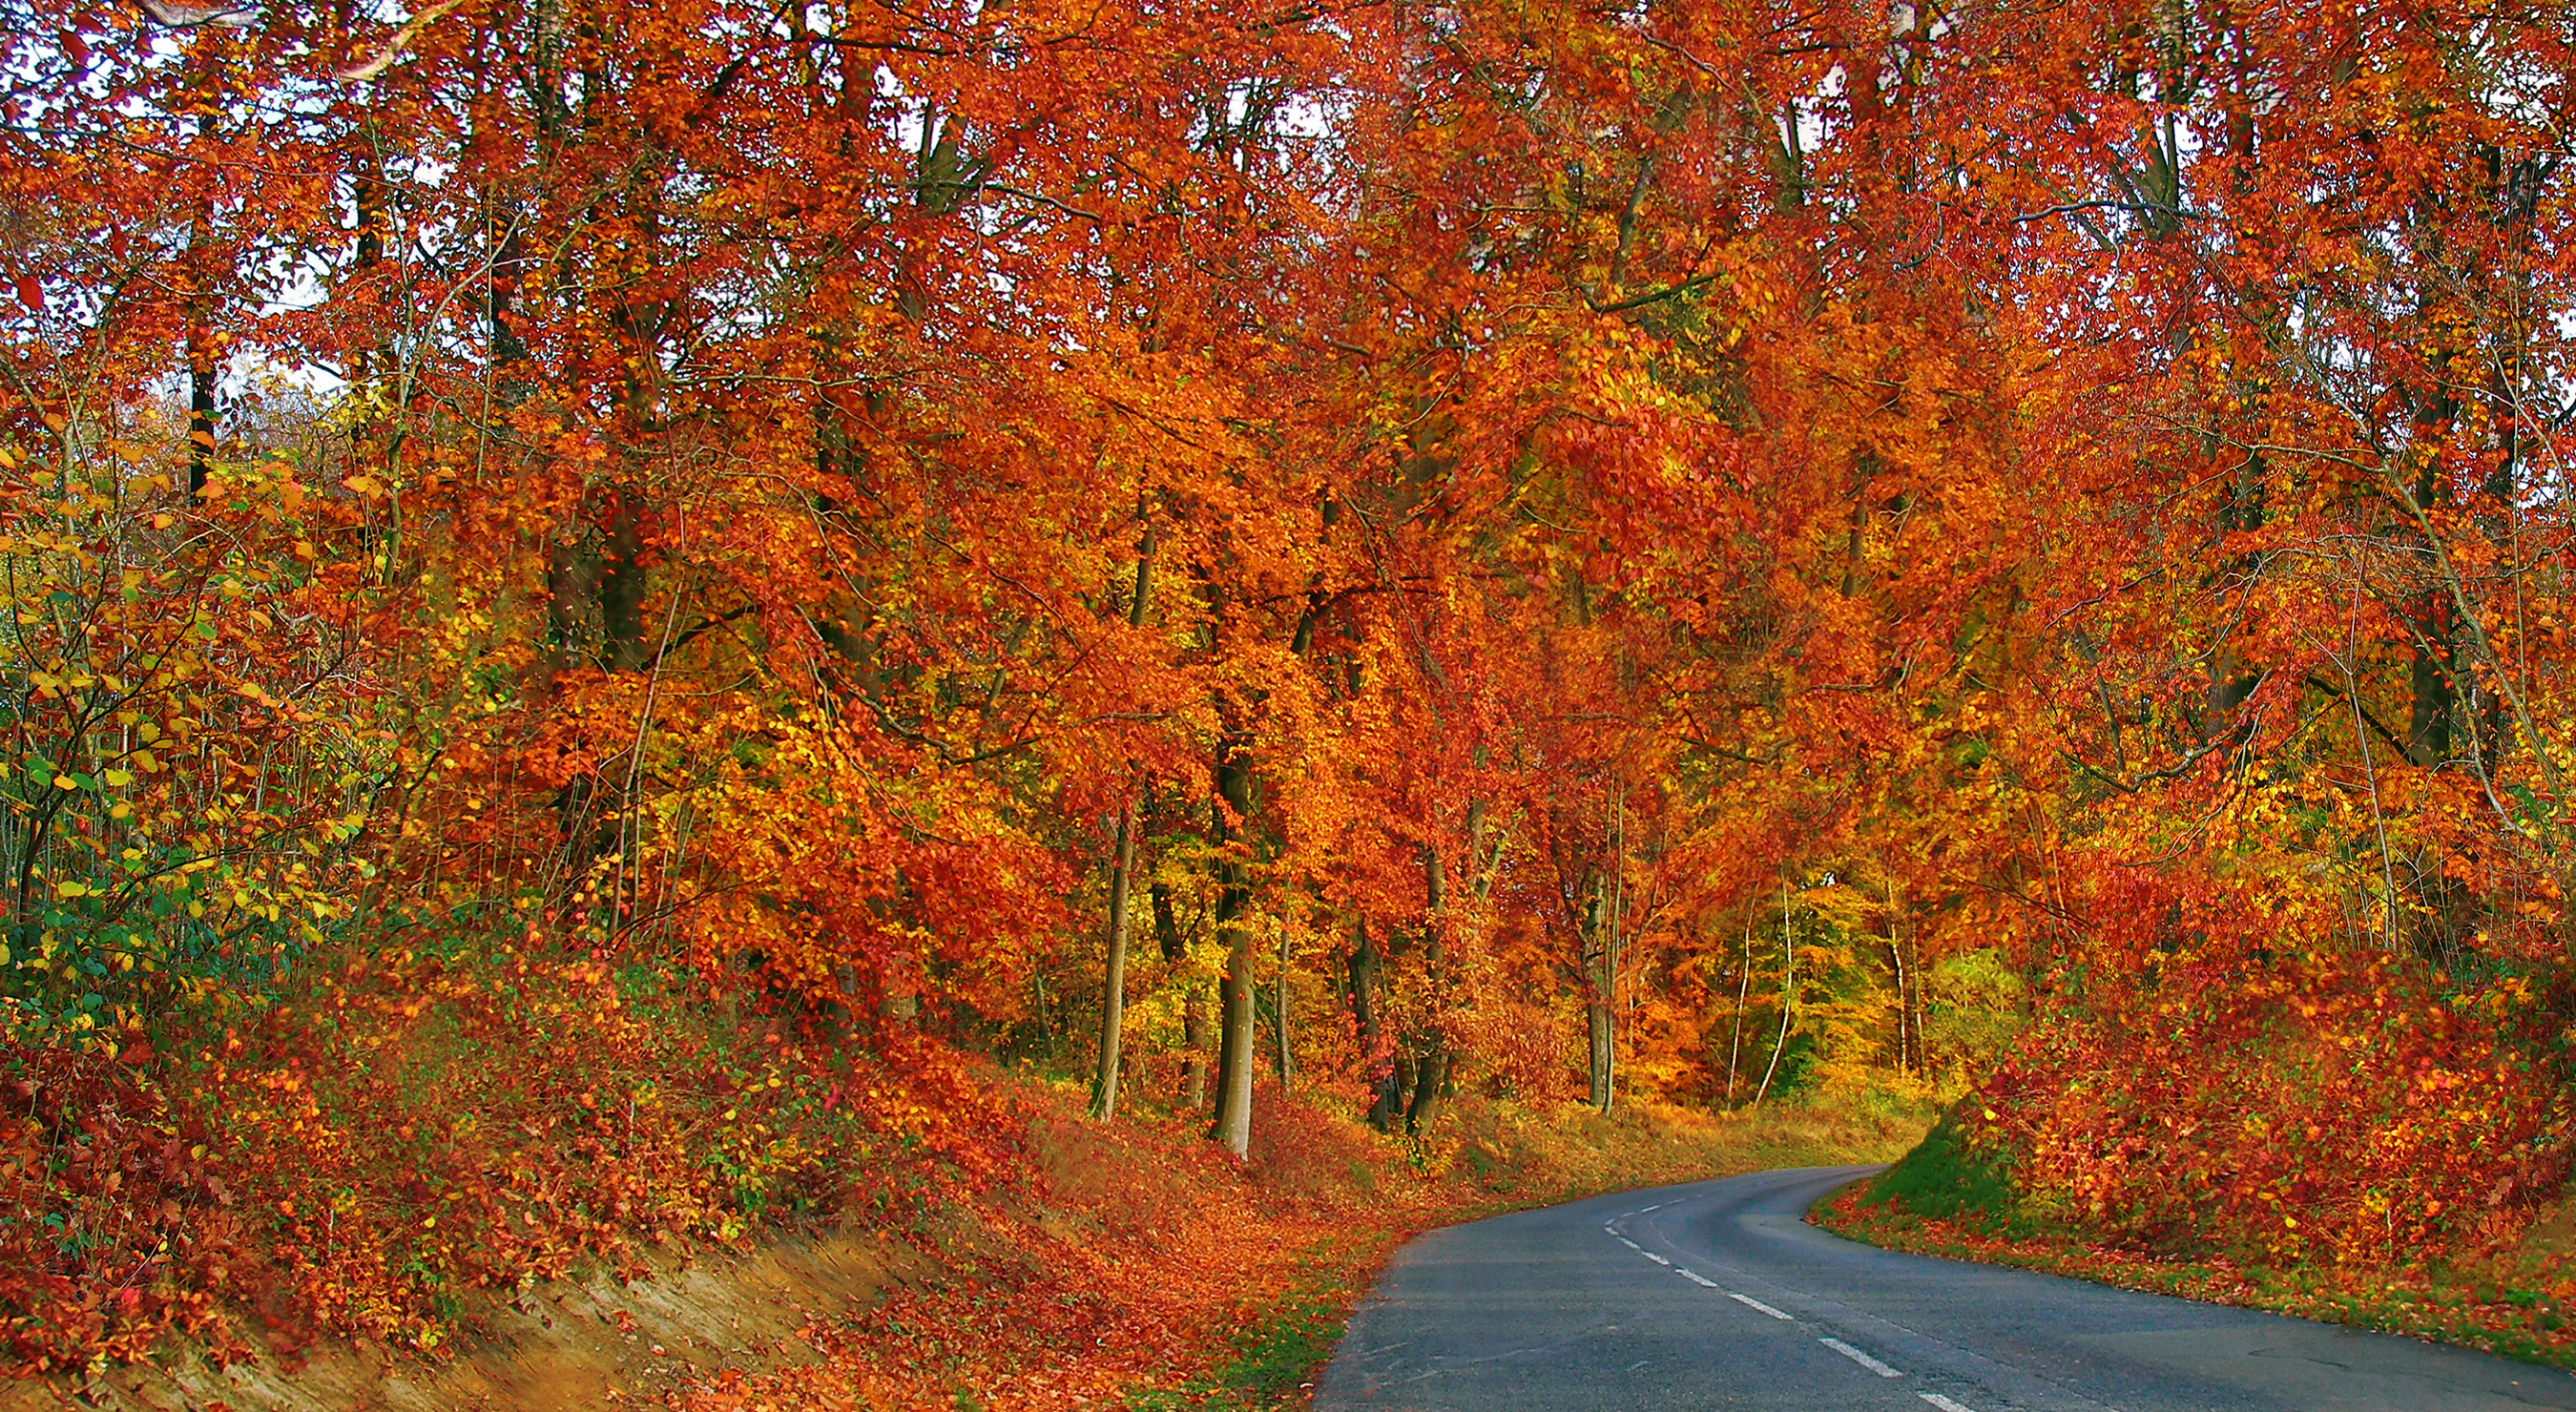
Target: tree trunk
x=199 y=260
x=1788 y=997
x=1596 y=1001
x=624 y=645
x=1232 y=1126
x=1194 y=1016
x=1281 y=1028
x=2430 y=698
x=1905 y=1037
x=1375 y=1061
x=1610 y=954
x=1432 y=1057
x=1431 y=1072
x=1113 y=991
x=1735 y=1044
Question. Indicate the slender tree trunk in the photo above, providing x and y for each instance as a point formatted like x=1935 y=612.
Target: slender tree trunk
x=201 y=395
x=1743 y=983
x=1896 y=953
x=1113 y=991
x=1232 y=1126
x=1375 y=1061
x=1279 y=1012
x=199 y=260
x=1788 y=996
x=1904 y=1041
x=1618 y=916
x=1194 y=1016
x=1596 y=1004
x=1432 y=1057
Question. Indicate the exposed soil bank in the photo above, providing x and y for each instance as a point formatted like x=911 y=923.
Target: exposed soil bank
x=673 y=1321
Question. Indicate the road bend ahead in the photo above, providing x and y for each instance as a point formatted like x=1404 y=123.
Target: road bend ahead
x=1719 y=1295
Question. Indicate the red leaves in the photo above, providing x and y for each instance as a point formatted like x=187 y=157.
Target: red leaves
x=114 y=1232
x=2305 y=1113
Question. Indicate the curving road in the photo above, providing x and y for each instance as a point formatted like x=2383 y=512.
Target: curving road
x=1719 y=1295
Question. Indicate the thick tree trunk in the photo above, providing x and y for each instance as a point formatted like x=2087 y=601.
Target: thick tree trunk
x=1113 y=990
x=2430 y=698
x=624 y=646
x=1431 y=1071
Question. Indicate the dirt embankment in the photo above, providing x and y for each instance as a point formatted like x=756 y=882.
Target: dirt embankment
x=671 y=1321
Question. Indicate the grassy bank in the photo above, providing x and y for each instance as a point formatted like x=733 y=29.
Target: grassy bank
x=2509 y=1294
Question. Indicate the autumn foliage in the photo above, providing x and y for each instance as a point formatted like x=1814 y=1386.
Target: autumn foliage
x=604 y=596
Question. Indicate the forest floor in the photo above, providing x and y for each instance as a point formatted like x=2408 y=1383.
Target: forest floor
x=2515 y=1296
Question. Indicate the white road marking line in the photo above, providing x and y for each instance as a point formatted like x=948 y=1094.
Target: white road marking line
x=1654 y=1257
x=1863 y=1359
x=1945 y=1404
x=1701 y=1280
x=1749 y=1302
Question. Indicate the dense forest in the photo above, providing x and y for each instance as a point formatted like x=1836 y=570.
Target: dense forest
x=1698 y=553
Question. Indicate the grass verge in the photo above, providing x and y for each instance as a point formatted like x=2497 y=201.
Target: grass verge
x=1943 y=1200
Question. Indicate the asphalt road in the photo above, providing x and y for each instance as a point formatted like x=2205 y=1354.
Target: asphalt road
x=1719 y=1295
